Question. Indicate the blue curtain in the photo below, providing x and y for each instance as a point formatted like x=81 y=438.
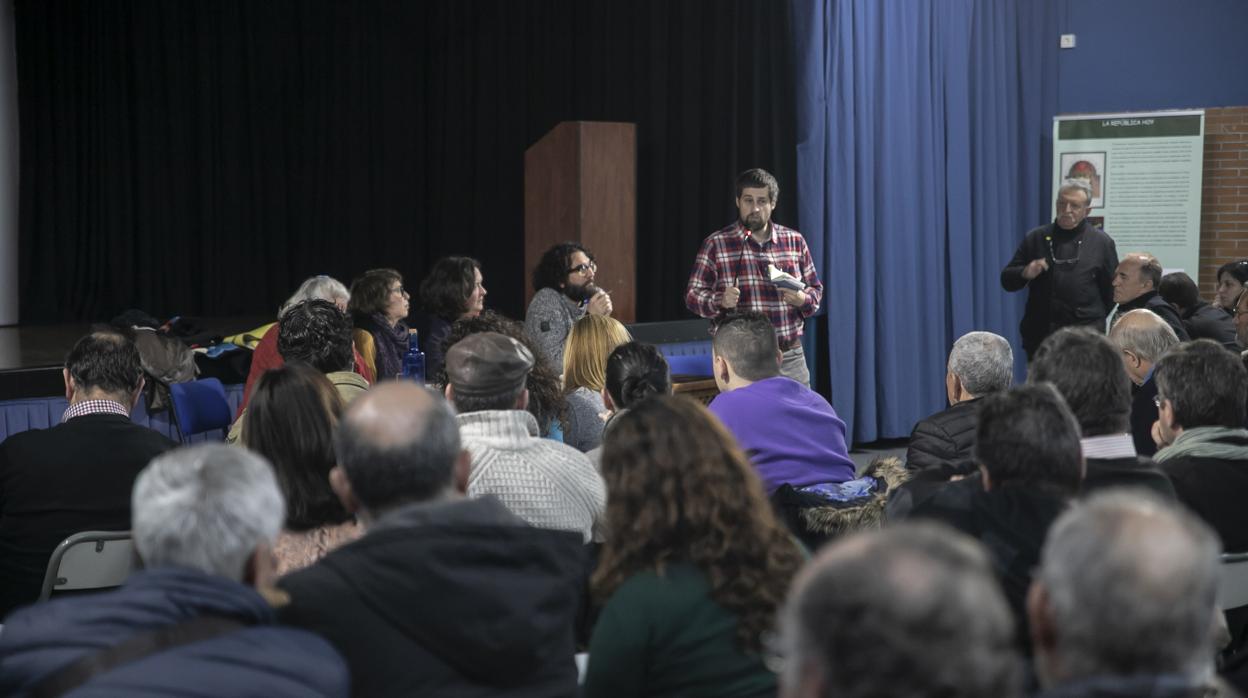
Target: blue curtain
x=923 y=152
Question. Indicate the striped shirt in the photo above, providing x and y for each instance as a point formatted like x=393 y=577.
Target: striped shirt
x=733 y=257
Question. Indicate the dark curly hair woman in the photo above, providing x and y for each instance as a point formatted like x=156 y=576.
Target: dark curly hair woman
x=451 y=290
x=694 y=565
x=546 y=401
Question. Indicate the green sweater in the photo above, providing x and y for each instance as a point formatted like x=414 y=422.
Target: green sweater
x=664 y=636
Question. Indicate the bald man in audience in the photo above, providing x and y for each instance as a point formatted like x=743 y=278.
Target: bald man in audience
x=912 y=610
x=444 y=595
x=1142 y=337
x=1125 y=602
x=1135 y=287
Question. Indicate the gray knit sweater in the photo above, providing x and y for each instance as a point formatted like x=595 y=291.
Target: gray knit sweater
x=546 y=483
x=548 y=322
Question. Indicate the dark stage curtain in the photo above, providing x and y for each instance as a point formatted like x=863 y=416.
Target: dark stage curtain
x=204 y=157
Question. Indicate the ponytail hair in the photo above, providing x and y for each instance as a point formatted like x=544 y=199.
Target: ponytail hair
x=635 y=371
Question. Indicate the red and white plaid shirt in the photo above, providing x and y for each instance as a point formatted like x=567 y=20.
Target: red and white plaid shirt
x=79 y=409
x=732 y=257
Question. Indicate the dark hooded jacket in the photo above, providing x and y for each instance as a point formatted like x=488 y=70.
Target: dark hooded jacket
x=261 y=659
x=450 y=598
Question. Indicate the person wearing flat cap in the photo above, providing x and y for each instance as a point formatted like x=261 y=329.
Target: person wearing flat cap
x=545 y=482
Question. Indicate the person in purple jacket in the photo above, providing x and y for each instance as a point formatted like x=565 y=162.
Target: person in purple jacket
x=791 y=434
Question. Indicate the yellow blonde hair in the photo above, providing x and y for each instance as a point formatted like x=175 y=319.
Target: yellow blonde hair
x=590 y=342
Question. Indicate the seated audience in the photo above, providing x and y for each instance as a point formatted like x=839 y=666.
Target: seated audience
x=378 y=307
x=694 y=566
x=1201 y=390
x=291 y=423
x=1200 y=319
x=443 y=596
x=913 y=610
x=451 y=291
x=635 y=371
x=1135 y=287
x=1084 y=367
x=544 y=482
x=592 y=339
x=1239 y=315
x=266 y=354
x=1142 y=336
x=543 y=383
x=1027 y=448
x=980 y=363
x=318 y=334
x=195 y=619
x=565 y=292
x=791 y=434
x=1124 y=601
x=1231 y=279
x=77 y=475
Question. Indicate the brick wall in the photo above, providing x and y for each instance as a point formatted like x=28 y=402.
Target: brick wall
x=1224 y=203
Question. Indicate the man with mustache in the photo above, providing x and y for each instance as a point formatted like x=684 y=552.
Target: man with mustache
x=1068 y=268
x=731 y=271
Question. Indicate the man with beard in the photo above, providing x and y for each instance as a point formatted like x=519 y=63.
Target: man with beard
x=1068 y=265
x=731 y=271
x=564 y=281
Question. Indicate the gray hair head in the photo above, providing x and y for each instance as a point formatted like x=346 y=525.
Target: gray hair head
x=910 y=610
x=1143 y=333
x=1077 y=185
x=206 y=507
x=321 y=287
x=983 y=361
x=1132 y=587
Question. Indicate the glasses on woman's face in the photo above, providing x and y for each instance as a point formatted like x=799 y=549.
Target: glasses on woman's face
x=583 y=268
x=398 y=290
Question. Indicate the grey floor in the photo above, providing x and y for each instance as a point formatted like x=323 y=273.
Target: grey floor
x=863 y=454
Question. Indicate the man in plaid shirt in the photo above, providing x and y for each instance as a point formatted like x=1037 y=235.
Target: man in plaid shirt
x=731 y=270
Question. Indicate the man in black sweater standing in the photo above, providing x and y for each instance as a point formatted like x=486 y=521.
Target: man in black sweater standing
x=1067 y=265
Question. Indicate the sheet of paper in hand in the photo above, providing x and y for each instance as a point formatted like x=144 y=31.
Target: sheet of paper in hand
x=784 y=280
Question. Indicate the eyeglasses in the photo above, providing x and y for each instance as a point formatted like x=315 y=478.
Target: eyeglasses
x=399 y=290
x=1069 y=206
x=583 y=268
x=1074 y=260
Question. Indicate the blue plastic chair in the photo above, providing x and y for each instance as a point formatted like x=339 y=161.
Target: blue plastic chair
x=691 y=365
x=199 y=406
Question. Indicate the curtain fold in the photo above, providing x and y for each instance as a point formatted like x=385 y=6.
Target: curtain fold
x=921 y=152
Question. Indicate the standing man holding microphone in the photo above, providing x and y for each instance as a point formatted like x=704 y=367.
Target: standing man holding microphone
x=1068 y=268
x=732 y=271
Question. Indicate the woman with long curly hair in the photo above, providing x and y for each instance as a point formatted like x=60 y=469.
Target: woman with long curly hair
x=694 y=566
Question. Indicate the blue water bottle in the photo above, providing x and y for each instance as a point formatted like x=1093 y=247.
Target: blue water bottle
x=414 y=361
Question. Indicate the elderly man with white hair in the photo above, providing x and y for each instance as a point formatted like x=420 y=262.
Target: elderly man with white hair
x=980 y=363
x=1125 y=601
x=1142 y=336
x=195 y=620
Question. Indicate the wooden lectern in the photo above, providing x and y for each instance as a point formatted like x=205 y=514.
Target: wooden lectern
x=580 y=184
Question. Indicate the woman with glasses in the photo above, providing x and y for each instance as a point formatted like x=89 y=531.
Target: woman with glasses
x=564 y=281
x=379 y=305
x=694 y=564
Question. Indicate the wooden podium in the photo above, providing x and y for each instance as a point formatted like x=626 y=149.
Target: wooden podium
x=580 y=185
